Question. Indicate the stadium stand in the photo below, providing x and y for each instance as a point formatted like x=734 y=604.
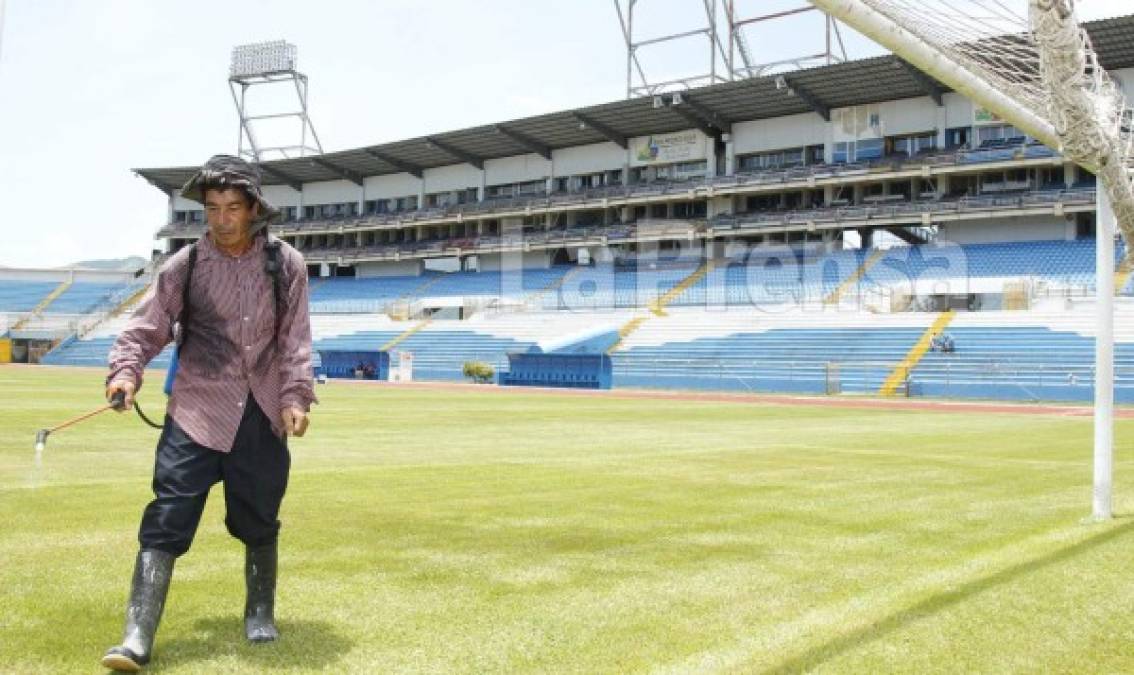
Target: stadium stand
x=83 y=297
x=760 y=337
x=792 y=349
x=796 y=252
x=23 y=296
x=1040 y=356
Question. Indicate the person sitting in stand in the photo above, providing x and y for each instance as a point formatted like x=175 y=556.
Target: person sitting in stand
x=948 y=344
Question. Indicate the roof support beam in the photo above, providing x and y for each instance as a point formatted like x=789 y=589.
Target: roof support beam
x=930 y=86
x=906 y=234
x=287 y=179
x=346 y=173
x=711 y=117
x=812 y=102
x=524 y=141
x=405 y=167
x=710 y=122
x=610 y=134
x=466 y=157
x=693 y=117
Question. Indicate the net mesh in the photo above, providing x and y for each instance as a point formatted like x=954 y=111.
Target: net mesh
x=1038 y=55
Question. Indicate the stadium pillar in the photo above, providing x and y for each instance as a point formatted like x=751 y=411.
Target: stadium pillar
x=710 y=157
x=1069 y=176
x=866 y=234
x=828 y=194
x=483 y=186
x=718 y=205
x=942 y=125
x=512 y=259
x=829 y=142
x=1104 y=356
x=730 y=157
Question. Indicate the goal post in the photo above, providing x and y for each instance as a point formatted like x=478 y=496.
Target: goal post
x=1041 y=74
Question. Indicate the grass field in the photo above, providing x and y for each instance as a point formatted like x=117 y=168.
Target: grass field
x=472 y=531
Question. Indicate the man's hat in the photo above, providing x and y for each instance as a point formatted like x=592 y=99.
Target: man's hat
x=225 y=171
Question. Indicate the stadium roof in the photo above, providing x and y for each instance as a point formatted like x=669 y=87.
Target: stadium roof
x=713 y=109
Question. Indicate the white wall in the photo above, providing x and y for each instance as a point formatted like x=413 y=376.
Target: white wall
x=958 y=110
x=330 y=192
x=592 y=158
x=1007 y=229
x=531 y=260
x=791 y=131
x=908 y=116
x=280 y=196
x=391 y=186
x=59 y=276
x=182 y=204
x=452 y=177
x=400 y=268
x=1125 y=79
x=517 y=169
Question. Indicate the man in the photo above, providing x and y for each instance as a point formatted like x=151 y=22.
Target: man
x=236 y=302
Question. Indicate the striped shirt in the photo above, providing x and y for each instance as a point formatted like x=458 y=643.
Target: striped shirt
x=230 y=348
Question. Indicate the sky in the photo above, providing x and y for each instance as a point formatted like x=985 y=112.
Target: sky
x=90 y=89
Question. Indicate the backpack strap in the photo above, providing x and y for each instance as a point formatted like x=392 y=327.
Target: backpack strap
x=183 y=318
x=274 y=268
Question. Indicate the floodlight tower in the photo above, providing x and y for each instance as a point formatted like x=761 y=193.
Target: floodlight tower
x=749 y=67
x=724 y=63
x=265 y=63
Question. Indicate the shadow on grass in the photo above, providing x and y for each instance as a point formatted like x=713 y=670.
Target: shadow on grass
x=311 y=645
x=815 y=657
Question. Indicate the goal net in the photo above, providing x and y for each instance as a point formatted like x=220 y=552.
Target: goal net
x=1032 y=66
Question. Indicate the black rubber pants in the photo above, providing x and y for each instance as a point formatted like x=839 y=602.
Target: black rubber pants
x=254 y=474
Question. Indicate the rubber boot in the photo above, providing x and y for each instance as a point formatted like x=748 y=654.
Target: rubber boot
x=259 y=608
x=152 y=572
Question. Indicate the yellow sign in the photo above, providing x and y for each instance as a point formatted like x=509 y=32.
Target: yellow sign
x=985 y=116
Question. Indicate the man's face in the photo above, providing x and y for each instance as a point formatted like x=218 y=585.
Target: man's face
x=230 y=214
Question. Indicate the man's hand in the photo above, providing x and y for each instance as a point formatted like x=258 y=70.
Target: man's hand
x=294 y=421
x=125 y=386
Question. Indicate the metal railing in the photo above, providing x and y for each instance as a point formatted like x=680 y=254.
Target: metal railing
x=542 y=200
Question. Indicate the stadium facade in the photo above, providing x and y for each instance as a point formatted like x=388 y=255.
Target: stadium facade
x=809 y=156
